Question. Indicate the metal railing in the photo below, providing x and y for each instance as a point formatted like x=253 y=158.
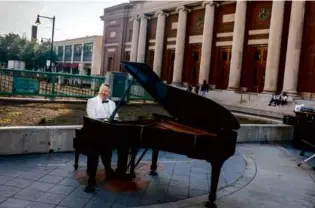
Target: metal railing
x=50 y=85
x=46 y=84
x=138 y=93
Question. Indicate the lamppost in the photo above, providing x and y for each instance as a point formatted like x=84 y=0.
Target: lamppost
x=52 y=36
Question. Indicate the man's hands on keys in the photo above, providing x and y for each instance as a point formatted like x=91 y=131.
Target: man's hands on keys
x=115 y=119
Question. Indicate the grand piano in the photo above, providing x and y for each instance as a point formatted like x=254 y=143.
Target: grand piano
x=197 y=127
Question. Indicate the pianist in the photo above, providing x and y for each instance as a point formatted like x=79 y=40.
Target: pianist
x=101 y=108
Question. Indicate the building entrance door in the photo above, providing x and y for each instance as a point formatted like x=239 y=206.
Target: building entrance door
x=127 y=56
x=224 y=67
x=170 y=66
x=194 y=64
x=259 y=54
x=150 y=58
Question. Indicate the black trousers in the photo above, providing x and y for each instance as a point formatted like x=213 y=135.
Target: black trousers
x=275 y=101
x=106 y=157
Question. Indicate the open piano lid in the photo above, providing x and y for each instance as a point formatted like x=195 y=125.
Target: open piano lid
x=187 y=107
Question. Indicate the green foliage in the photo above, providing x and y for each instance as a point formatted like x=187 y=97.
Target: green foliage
x=14 y=47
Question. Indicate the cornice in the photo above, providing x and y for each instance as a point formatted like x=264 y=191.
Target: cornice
x=167 y=7
x=182 y=8
x=144 y=16
x=211 y=3
x=161 y=13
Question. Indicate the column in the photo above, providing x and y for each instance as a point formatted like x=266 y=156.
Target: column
x=159 y=42
x=206 y=41
x=292 y=61
x=274 y=46
x=72 y=56
x=135 y=37
x=142 y=39
x=103 y=61
x=237 y=45
x=180 y=44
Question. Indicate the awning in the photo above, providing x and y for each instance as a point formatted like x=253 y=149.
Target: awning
x=74 y=65
x=65 y=65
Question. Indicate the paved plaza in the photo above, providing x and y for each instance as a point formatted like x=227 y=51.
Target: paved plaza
x=256 y=176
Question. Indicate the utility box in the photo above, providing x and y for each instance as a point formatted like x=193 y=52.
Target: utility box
x=304 y=128
x=118 y=82
x=14 y=64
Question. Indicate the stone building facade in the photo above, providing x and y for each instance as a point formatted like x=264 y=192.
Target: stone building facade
x=259 y=46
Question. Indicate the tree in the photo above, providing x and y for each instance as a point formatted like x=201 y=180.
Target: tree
x=42 y=54
x=13 y=47
x=28 y=54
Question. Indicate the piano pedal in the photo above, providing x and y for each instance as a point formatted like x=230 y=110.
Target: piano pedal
x=210 y=205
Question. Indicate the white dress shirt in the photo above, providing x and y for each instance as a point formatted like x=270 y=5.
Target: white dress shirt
x=98 y=110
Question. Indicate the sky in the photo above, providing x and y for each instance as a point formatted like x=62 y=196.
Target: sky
x=74 y=19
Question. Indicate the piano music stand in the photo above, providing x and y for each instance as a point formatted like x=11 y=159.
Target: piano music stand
x=111 y=118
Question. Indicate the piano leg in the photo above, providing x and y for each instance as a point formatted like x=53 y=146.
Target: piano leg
x=134 y=152
x=76 y=160
x=106 y=157
x=215 y=176
x=155 y=155
x=92 y=162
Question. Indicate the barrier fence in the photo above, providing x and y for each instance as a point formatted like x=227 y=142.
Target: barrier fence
x=57 y=85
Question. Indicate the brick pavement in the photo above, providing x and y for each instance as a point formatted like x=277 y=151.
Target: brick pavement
x=257 y=176
x=48 y=180
x=278 y=181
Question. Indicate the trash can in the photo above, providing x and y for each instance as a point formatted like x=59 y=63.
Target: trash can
x=304 y=128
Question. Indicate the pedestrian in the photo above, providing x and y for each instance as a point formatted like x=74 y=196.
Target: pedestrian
x=204 y=88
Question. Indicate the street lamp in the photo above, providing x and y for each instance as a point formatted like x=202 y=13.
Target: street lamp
x=52 y=36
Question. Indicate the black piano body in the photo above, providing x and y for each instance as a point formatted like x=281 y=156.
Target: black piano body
x=198 y=128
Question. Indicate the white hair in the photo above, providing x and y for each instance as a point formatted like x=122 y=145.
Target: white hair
x=102 y=86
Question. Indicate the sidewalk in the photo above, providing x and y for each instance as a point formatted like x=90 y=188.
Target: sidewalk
x=258 y=176
x=278 y=182
x=49 y=180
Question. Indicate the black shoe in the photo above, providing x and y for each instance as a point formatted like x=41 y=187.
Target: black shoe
x=109 y=174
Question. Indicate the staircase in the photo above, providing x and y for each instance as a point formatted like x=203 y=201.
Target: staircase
x=251 y=103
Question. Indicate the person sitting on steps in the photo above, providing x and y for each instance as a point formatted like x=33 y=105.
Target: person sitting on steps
x=284 y=98
x=189 y=89
x=276 y=99
x=197 y=89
